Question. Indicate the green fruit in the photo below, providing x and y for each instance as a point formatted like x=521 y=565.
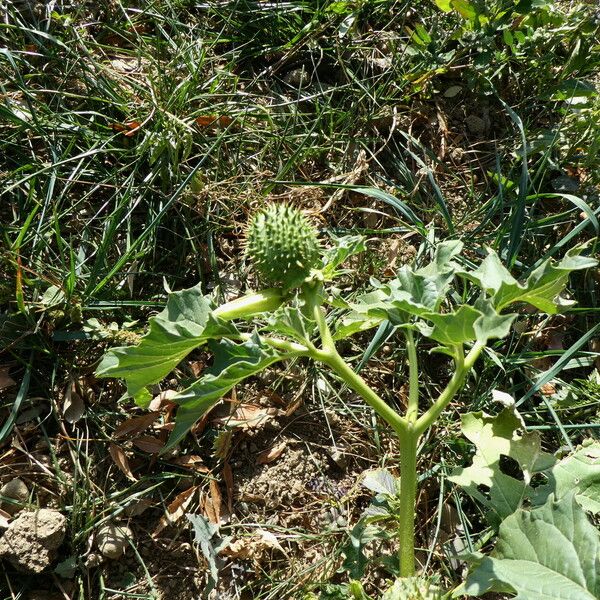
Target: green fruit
x=282 y=245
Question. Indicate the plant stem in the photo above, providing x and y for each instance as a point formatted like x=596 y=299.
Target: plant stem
x=408 y=429
x=277 y=343
x=463 y=366
x=358 y=384
x=408 y=497
x=412 y=412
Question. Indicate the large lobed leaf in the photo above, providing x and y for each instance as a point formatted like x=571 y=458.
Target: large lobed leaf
x=580 y=473
x=420 y=294
x=495 y=437
x=542 y=287
x=549 y=553
x=183 y=325
x=233 y=363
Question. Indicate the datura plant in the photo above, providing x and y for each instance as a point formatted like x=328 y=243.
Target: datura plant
x=449 y=302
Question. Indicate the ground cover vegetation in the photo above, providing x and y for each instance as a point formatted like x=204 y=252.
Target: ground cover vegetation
x=424 y=141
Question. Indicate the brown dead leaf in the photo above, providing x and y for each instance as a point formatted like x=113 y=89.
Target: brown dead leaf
x=254 y=547
x=149 y=444
x=222 y=444
x=127 y=129
x=196 y=367
x=6 y=380
x=213 y=121
x=391 y=253
x=120 y=459
x=293 y=407
x=271 y=454
x=163 y=399
x=548 y=389
x=247 y=416
x=212 y=503
x=228 y=479
x=73 y=405
x=175 y=510
x=135 y=425
x=192 y=462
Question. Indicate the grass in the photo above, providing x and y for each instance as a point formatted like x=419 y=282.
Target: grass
x=136 y=139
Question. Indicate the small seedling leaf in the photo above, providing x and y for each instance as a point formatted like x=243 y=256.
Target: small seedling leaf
x=206 y=536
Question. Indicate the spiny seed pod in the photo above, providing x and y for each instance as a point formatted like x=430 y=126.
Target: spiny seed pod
x=414 y=588
x=282 y=245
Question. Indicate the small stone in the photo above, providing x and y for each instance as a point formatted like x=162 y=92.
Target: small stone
x=297 y=77
x=475 y=124
x=113 y=540
x=565 y=184
x=452 y=91
x=31 y=542
x=341 y=521
x=93 y=560
x=17 y=490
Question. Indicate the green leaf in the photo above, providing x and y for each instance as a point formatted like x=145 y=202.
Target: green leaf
x=344 y=247
x=414 y=588
x=491 y=275
x=490 y=324
x=549 y=553
x=409 y=293
x=580 y=473
x=455 y=328
x=206 y=536
x=495 y=437
x=233 y=363
x=183 y=325
x=381 y=481
x=353 y=322
x=444 y=5
x=355 y=561
x=412 y=292
x=291 y=322
x=464 y=8
x=542 y=287
x=442 y=269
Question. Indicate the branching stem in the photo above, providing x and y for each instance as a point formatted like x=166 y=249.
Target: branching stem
x=462 y=366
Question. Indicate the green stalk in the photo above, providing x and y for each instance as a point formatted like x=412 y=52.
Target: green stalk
x=408 y=429
x=250 y=305
x=358 y=384
x=412 y=411
x=408 y=499
x=462 y=366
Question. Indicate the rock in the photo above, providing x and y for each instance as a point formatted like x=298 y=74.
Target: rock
x=475 y=124
x=32 y=540
x=113 y=540
x=17 y=490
